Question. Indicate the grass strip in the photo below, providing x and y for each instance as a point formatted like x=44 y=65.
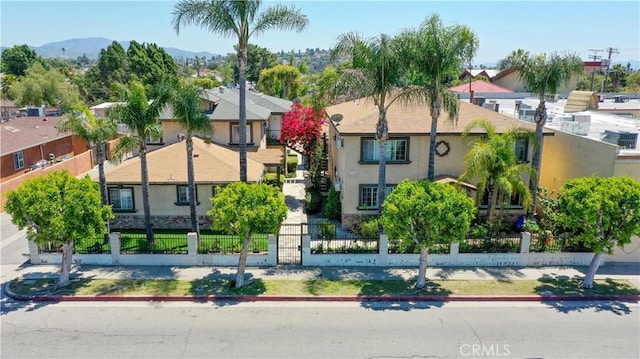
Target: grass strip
x=319 y=287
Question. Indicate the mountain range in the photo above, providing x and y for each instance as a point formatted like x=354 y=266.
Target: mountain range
x=91 y=47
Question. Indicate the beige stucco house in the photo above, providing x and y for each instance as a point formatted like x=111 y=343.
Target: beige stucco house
x=214 y=165
x=353 y=165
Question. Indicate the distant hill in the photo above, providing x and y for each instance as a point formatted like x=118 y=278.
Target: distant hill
x=91 y=47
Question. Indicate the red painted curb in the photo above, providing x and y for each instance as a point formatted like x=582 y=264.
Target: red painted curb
x=277 y=298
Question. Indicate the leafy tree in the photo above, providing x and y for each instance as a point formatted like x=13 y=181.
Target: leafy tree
x=302 y=127
x=97 y=131
x=602 y=212
x=18 y=59
x=376 y=71
x=434 y=52
x=491 y=160
x=187 y=110
x=542 y=75
x=206 y=83
x=142 y=119
x=426 y=214
x=57 y=210
x=44 y=87
x=239 y=19
x=245 y=209
x=282 y=80
x=618 y=75
x=633 y=82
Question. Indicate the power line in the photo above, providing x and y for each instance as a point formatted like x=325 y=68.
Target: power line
x=610 y=50
x=594 y=57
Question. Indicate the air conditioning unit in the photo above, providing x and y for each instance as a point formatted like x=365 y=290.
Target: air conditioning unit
x=576 y=124
x=624 y=139
x=337 y=186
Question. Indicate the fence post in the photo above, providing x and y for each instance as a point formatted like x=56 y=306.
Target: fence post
x=192 y=244
x=305 y=252
x=383 y=250
x=273 y=250
x=34 y=253
x=525 y=242
x=114 y=240
x=454 y=250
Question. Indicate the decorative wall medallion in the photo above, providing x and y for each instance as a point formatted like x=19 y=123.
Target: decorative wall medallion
x=442 y=148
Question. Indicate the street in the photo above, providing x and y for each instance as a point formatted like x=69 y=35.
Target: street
x=336 y=330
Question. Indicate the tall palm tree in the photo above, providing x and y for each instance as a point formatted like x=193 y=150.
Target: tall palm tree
x=618 y=73
x=239 y=19
x=96 y=131
x=187 y=110
x=141 y=116
x=435 y=52
x=541 y=75
x=492 y=162
x=376 y=72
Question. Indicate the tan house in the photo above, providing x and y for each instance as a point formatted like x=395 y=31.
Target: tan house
x=215 y=166
x=353 y=151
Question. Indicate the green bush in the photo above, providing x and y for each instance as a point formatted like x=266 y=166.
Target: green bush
x=313 y=202
x=326 y=230
x=272 y=179
x=292 y=163
x=478 y=231
x=368 y=228
x=332 y=209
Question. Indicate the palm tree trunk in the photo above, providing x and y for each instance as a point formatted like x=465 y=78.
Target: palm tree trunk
x=541 y=120
x=65 y=268
x=145 y=193
x=435 y=113
x=593 y=268
x=382 y=133
x=242 y=66
x=242 y=262
x=491 y=205
x=103 y=184
x=192 y=186
x=422 y=268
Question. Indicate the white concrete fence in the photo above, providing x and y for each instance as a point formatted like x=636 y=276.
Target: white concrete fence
x=454 y=258
x=192 y=258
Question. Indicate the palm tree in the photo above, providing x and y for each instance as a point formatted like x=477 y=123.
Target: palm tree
x=376 y=72
x=542 y=75
x=187 y=110
x=239 y=19
x=491 y=160
x=435 y=52
x=618 y=73
x=141 y=116
x=96 y=131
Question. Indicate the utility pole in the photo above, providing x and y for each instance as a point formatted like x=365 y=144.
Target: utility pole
x=606 y=71
x=594 y=57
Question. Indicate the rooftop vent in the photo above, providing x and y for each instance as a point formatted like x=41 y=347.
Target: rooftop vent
x=624 y=139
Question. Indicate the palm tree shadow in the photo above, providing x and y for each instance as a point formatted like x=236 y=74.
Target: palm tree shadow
x=563 y=285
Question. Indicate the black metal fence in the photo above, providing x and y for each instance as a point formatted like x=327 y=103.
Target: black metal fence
x=95 y=245
x=507 y=244
x=327 y=238
x=213 y=243
x=163 y=243
x=561 y=243
x=403 y=246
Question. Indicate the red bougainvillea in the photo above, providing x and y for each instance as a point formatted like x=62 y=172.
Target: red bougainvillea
x=302 y=127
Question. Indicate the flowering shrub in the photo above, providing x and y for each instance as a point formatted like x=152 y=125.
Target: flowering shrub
x=302 y=127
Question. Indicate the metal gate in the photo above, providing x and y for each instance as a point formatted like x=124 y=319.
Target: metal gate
x=290 y=243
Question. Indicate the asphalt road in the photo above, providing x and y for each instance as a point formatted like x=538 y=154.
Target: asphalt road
x=315 y=330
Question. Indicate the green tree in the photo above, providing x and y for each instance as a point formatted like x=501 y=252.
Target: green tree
x=542 y=75
x=603 y=213
x=142 y=119
x=187 y=110
x=376 y=72
x=44 y=87
x=618 y=75
x=59 y=209
x=282 y=80
x=18 y=59
x=245 y=209
x=96 y=131
x=206 y=83
x=426 y=214
x=434 y=52
x=633 y=82
x=492 y=162
x=239 y=19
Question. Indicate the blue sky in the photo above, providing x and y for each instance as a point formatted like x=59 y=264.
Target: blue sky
x=501 y=26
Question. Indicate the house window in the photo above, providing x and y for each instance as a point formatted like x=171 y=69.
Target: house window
x=121 y=199
x=154 y=140
x=18 y=160
x=369 y=195
x=397 y=150
x=182 y=193
x=235 y=133
x=514 y=202
x=522 y=150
